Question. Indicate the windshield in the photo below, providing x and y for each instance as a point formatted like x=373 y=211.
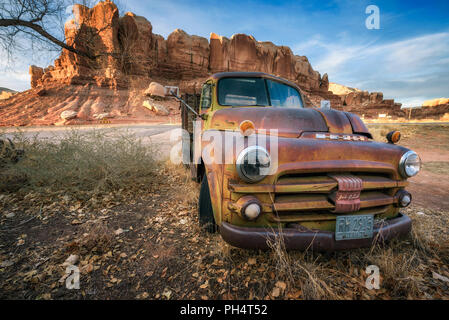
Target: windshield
x=253 y=92
x=242 y=92
x=282 y=95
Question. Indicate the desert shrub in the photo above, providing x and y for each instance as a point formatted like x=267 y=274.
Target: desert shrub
x=77 y=161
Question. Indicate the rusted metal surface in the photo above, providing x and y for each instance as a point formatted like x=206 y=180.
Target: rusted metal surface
x=358 y=127
x=336 y=121
x=347 y=196
x=300 y=238
x=301 y=173
x=289 y=123
x=308 y=187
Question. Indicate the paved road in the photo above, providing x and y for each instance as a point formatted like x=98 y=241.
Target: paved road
x=141 y=130
x=151 y=134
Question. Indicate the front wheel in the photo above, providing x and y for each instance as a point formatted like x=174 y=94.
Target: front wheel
x=205 y=211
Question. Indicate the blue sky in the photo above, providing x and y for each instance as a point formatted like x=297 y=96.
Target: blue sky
x=407 y=58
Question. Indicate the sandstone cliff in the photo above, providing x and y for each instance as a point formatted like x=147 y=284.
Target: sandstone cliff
x=435 y=102
x=435 y=109
x=367 y=104
x=126 y=46
x=128 y=56
x=6 y=93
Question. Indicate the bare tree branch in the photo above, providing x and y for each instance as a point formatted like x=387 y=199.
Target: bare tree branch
x=45 y=34
x=33 y=22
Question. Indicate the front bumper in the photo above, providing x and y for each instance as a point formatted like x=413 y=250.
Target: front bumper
x=297 y=239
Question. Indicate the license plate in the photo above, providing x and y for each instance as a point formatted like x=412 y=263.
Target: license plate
x=354 y=227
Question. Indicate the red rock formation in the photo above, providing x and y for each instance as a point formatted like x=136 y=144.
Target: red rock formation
x=128 y=56
x=245 y=53
x=137 y=45
x=36 y=74
x=94 y=31
x=188 y=55
x=367 y=104
x=89 y=101
x=127 y=46
x=435 y=102
x=438 y=112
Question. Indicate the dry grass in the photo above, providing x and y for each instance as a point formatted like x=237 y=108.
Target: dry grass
x=187 y=190
x=379 y=131
x=405 y=265
x=110 y=165
x=300 y=271
x=83 y=163
x=97 y=238
x=433 y=136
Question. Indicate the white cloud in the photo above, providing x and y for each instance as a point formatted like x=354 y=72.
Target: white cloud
x=409 y=70
x=14 y=80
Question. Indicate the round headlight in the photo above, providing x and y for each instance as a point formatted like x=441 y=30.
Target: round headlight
x=253 y=164
x=404 y=198
x=410 y=164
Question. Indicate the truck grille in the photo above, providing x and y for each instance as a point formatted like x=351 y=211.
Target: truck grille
x=293 y=197
x=295 y=194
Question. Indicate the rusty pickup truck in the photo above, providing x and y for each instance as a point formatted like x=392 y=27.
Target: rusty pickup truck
x=271 y=168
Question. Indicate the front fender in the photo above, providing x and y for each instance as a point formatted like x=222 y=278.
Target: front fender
x=215 y=180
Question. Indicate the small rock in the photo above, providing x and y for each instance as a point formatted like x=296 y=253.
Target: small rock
x=148 y=104
x=10 y=215
x=68 y=114
x=155 y=89
x=118 y=231
x=101 y=116
x=420 y=213
x=159 y=109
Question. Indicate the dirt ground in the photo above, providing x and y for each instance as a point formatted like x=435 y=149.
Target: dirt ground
x=430 y=188
x=150 y=247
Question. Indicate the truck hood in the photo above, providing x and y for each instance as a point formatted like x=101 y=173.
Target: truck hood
x=290 y=122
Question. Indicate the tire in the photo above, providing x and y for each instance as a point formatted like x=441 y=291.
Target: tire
x=205 y=211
